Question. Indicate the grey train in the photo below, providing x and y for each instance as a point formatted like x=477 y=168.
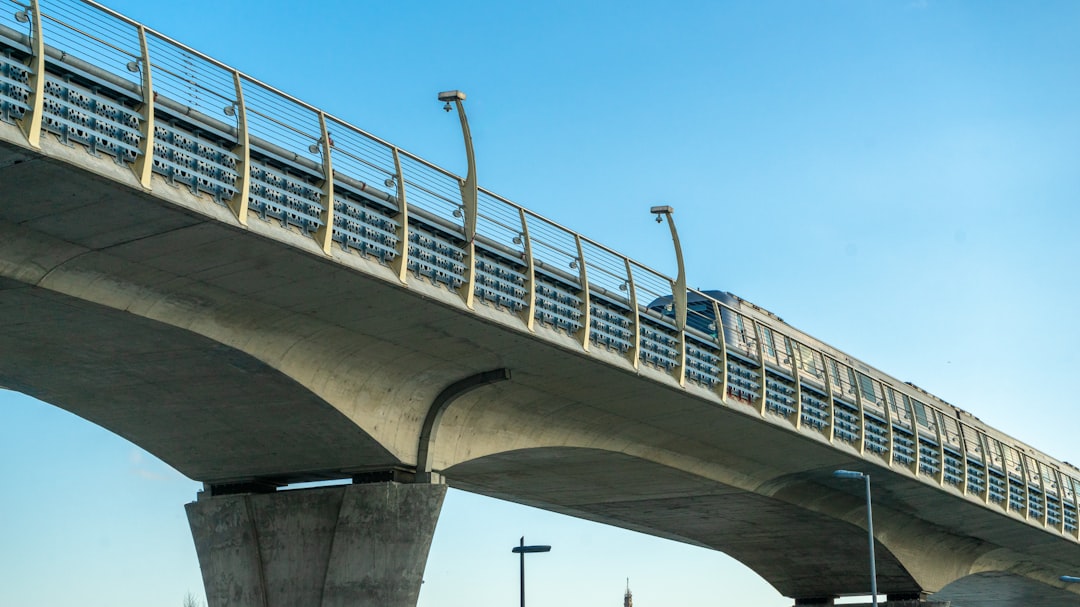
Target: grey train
x=874 y=412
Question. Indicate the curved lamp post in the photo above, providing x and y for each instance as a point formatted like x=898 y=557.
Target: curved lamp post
x=468 y=187
x=522 y=549
x=851 y=474
x=678 y=294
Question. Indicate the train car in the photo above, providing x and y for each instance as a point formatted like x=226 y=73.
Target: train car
x=784 y=372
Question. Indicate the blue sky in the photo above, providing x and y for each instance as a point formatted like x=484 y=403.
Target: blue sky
x=898 y=179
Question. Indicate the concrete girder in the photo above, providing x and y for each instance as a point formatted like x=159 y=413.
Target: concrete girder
x=82 y=229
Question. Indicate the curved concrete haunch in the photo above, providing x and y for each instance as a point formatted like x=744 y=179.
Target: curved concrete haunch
x=339 y=546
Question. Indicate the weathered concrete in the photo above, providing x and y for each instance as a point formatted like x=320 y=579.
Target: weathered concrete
x=245 y=353
x=340 y=546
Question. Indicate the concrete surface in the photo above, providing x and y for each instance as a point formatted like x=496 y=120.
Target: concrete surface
x=339 y=546
x=245 y=353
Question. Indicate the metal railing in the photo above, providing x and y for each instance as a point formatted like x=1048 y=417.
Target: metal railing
x=89 y=76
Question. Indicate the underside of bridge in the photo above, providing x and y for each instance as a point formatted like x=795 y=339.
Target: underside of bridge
x=244 y=354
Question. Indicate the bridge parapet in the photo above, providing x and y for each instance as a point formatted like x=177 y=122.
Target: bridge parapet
x=87 y=76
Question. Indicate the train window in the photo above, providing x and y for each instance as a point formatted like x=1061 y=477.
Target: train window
x=770 y=345
x=835 y=368
x=867 y=387
x=810 y=361
x=920 y=413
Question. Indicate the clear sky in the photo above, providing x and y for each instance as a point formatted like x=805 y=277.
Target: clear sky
x=897 y=178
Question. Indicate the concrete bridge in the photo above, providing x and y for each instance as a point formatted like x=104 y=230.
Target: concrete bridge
x=261 y=294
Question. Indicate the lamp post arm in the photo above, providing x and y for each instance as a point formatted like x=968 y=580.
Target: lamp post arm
x=468 y=187
x=678 y=296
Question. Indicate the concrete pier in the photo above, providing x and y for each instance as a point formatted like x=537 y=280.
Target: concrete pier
x=339 y=546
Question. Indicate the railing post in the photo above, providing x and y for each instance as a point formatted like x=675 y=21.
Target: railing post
x=529 y=311
x=721 y=339
x=586 y=307
x=1005 y=471
x=914 y=420
x=938 y=425
x=400 y=265
x=467 y=291
x=680 y=326
x=239 y=202
x=760 y=347
x=885 y=404
x=1027 y=484
x=1042 y=489
x=963 y=458
x=984 y=445
x=1060 y=497
x=30 y=123
x=857 y=389
x=1073 y=487
x=144 y=164
x=830 y=395
x=325 y=234
x=635 y=315
x=795 y=355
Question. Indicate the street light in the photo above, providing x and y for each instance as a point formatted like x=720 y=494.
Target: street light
x=678 y=292
x=468 y=186
x=851 y=474
x=1070 y=579
x=522 y=549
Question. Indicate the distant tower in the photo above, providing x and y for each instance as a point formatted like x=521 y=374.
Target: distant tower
x=628 y=598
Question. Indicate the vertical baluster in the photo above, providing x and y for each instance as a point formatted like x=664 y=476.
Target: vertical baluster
x=965 y=480
x=680 y=326
x=890 y=446
x=914 y=421
x=31 y=120
x=939 y=425
x=1060 y=526
x=325 y=234
x=1027 y=485
x=857 y=389
x=830 y=395
x=760 y=404
x=586 y=308
x=793 y=362
x=144 y=164
x=635 y=316
x=528 y=314
x=242 y=149
x=400 y=265
x=721 y=340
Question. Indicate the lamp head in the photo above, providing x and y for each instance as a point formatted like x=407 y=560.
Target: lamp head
x=851 y=474
x=660 y=211
x=449 y=96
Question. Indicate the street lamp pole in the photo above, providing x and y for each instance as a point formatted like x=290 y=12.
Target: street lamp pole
x=522 y=550
x=678 y=294
x=469 y=193
x=850 y=474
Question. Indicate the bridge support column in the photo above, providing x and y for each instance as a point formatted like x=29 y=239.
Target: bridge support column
x=340 y=546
